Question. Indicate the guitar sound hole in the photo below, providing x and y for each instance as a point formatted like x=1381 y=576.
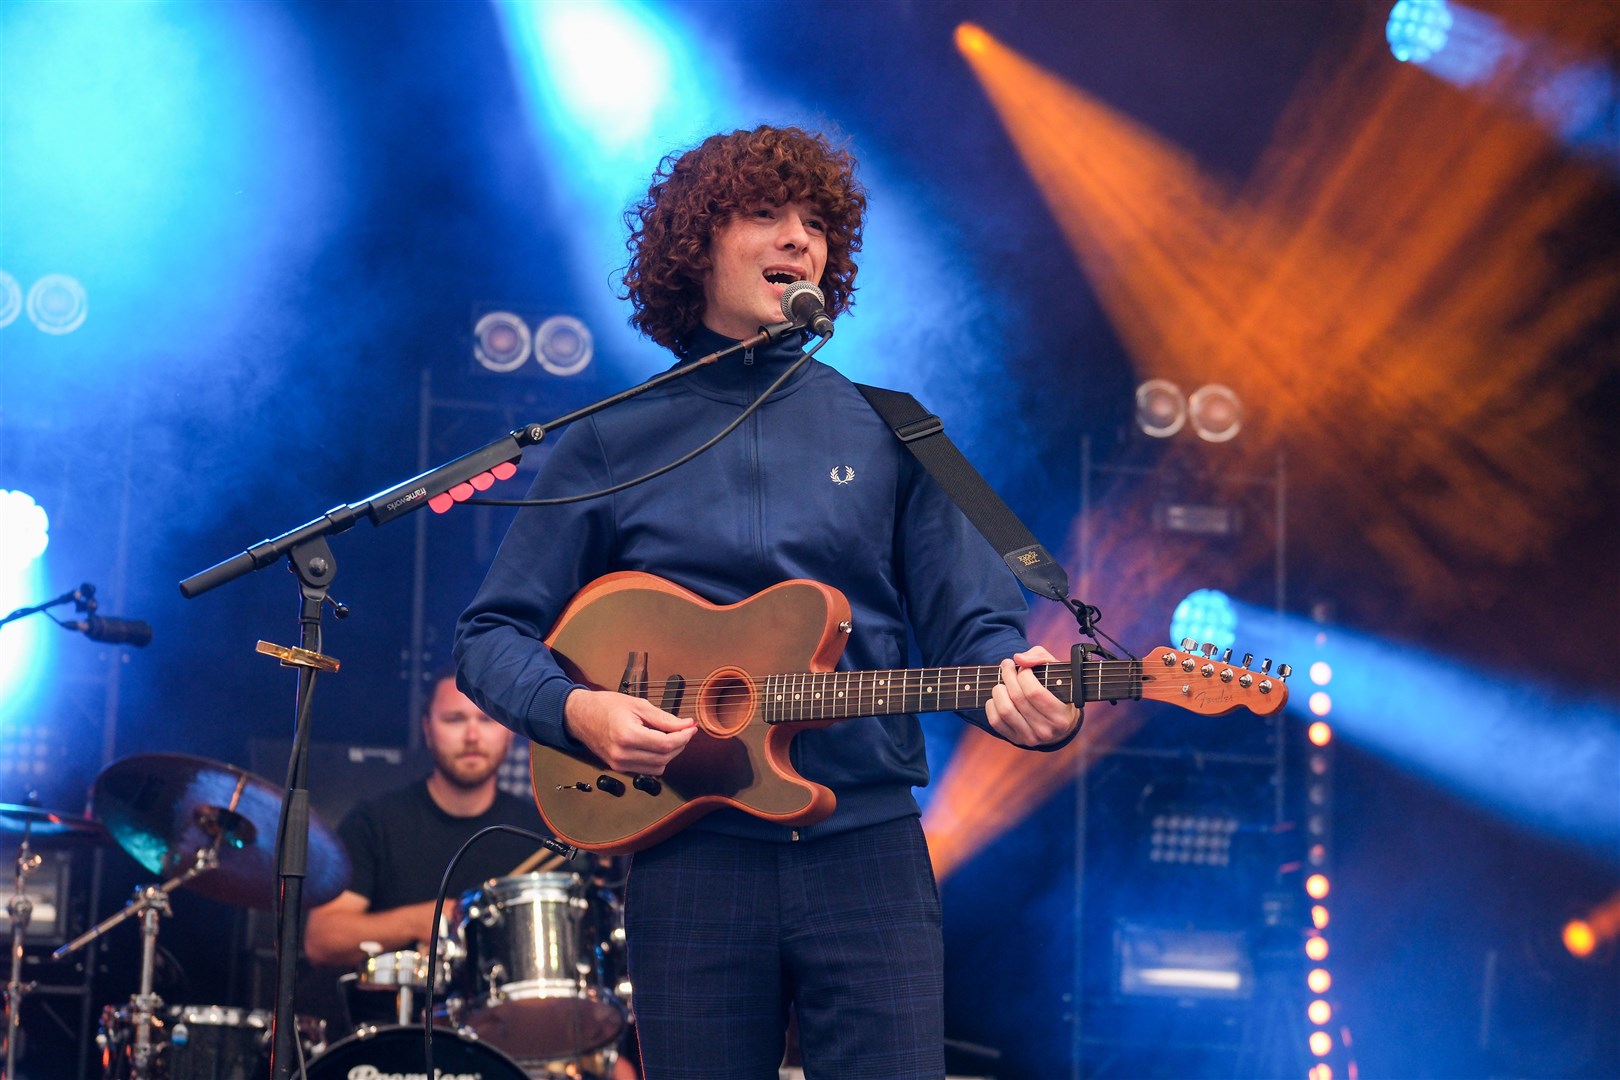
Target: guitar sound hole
x=726 y=703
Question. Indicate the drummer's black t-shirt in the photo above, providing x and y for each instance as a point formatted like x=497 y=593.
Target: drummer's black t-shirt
x=400 y=842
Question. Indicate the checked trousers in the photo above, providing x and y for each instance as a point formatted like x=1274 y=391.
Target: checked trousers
x=725 y=933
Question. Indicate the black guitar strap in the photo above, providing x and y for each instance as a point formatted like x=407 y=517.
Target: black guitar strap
x=924 y=435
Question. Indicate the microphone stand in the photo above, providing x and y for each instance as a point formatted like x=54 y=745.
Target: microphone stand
x=312 y=561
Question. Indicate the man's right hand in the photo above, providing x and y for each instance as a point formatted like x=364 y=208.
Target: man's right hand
x=629 y=734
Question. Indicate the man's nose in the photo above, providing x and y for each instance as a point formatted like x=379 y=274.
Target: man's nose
x=793 y=233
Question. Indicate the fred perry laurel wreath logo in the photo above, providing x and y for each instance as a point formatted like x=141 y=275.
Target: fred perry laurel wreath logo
x=842 y=474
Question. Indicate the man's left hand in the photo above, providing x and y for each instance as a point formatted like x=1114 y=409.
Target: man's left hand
x=1023 y=711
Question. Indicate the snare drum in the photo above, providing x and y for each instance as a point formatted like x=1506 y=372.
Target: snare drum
x=537 y=978
x=397 y=1052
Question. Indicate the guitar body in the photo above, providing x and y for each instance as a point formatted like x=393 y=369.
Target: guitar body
x=650 y=637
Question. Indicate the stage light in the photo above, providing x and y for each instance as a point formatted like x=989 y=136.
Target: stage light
x=1320 y=1071
x=1417 y=29
x=1579 y=938
x=563 y=345
x=501 y=342
x=57 y=304
x=1321 y=703
x=10 y=299
x=1316 y=948
x=1321 y=673
x=1316 y=886
x=1205 y=615
x=1319 y=980
x=1193 y=838
x=1319 y=1011
x=1161 y=408
x=1319 y=916
x=608 y=65
x=25 y=530
x=1319 y=733
x=1321 y=1043
x=1215 y=413
x=971 y=39
x=1172 y=962
x=1317 y=855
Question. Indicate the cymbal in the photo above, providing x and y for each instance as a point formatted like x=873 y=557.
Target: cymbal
x=164 y=808
x=48 y=826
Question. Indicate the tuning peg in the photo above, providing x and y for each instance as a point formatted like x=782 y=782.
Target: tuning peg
x=1189 y=644
x=1226 y=657
x=1265 y=666
x=1283 y=671
x=1248 y=659
x=1208 y=649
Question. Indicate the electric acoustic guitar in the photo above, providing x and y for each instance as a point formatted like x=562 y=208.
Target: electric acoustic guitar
x=756 y=672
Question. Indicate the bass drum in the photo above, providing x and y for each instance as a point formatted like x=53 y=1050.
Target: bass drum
x=397 y=1051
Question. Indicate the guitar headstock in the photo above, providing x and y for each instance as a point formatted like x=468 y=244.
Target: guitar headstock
x=1211 y=685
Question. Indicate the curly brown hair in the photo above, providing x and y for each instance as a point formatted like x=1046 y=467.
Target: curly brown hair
x=696 y=192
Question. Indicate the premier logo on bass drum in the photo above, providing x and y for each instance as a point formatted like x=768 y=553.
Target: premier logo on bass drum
x=371 y=1072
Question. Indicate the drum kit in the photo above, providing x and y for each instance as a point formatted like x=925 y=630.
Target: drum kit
x=530 y=981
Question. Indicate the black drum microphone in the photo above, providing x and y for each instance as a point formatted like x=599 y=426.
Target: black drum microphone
x=114 y=631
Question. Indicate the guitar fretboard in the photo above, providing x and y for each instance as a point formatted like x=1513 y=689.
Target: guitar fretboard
x=836 y=695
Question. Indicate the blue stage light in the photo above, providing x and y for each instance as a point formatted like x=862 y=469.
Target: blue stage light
x=1535 y=755
x=57 y=304
x=1206 y=615
x=11 y=301
x=1417 y=29
x=24 y=536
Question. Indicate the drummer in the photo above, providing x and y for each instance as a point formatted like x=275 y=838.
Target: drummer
x=400 y=842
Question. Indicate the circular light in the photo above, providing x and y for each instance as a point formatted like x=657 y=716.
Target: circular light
x=563 y=345
x=1317 y=854
x=57 y=304
x=1319 y=765
x=1316 y=886
x=1205 y=615
x=1579 y=938
x=1317 y=824
x=1161 y=410
x=501 y=342
x=1319 y=1011
x=1321 y=1043
x=1215 y=412
x=1317 y=949
x=1417 y=29
x=24 y=530
x=10 y=299
x=1321 y=673
x=1319 y=733
x=1320 y=1071
x=1319 y=980
x=1320 y=703
x=1319 y=916
x=971 y=39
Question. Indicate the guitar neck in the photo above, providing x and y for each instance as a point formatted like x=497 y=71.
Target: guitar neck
x=838 y=695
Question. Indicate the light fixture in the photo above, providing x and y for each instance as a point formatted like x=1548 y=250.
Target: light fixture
x=1215 y=412
x=563 y=345
x=501 y=342
x=1161 y=408
x=10 y=299
x=1172 y=962
x=57 y=304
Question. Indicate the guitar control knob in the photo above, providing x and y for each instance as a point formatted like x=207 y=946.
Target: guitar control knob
x=610 y=784
x=1283 y=671
x=649 y=784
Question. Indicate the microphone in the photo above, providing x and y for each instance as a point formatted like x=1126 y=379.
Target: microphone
x=803 y=304
x=114 y=631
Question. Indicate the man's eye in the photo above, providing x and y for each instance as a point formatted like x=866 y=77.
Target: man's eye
x=762 y=212
x=816 y=224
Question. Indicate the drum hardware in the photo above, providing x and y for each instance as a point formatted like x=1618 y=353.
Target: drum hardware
x=149 y=902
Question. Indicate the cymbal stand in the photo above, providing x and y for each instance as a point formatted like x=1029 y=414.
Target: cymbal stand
x=149 y=902
x=21 y=910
